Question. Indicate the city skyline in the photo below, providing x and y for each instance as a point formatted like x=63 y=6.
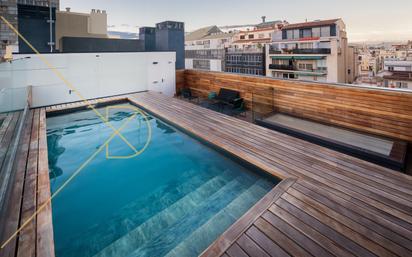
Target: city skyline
x=366 y=20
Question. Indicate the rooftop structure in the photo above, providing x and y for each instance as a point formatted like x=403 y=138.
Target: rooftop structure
x=74 y=24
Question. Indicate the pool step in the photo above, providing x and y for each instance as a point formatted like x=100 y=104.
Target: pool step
x=155 y=225
x=201 y=238
x=132 y=215
x=166 y=241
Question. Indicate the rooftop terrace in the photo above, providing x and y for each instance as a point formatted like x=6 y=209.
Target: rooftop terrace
x=328 y=203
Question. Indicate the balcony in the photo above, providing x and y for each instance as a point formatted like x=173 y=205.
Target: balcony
x=281 y=67
x=311 y=51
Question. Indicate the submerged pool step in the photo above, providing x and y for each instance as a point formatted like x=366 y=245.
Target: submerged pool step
x=166 y=241
x=132 y=215
x=156 y=224
x=201 y=238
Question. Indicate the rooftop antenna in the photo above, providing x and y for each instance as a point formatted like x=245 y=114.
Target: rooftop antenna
x=263 y=19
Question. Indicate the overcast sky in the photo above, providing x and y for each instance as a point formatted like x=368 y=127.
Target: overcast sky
x=366 y=20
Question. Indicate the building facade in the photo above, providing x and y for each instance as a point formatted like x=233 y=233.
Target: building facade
x=315 y=51
x=205 y=49
x=245 y=61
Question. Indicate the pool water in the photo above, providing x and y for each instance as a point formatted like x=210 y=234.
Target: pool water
x=174 y=199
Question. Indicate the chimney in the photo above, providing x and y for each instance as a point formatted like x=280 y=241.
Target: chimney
x=263 y=19
x=98 y=11
x=104 y=11
x=67 y=9
x=93 y=10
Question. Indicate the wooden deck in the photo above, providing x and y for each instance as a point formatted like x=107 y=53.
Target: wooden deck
x=328 y=204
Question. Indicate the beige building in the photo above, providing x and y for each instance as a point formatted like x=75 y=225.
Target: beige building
x=72 y=24
x=316 y=50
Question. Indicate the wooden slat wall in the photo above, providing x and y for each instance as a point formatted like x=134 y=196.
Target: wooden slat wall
x=180 y=79
x=380 y=112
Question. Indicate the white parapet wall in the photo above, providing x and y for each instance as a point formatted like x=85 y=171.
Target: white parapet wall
x=93 y=75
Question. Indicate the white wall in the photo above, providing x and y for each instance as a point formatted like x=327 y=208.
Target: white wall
x=92 y=74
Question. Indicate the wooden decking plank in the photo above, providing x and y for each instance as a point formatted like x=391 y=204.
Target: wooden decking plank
x=313 y=234
x=250 y=247
x=300 y=238
x=356 y=222
x=277 y=236
x=265 y=243
x=27 y=236
x=236 y=251
x=45 y=242
x=373 y=221
x=337 y=225
x=333 y=235
x=13 y=207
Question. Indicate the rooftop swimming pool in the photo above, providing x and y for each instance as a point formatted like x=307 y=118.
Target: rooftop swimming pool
x=174 y=199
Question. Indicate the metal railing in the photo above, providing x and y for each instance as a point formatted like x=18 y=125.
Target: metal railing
x=281 y=67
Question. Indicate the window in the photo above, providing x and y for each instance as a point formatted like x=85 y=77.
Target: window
x=325 y=31
x=315 y=32
x=296 y=34
x=307 y=33
x=251 y=36
x=242 y=37
x=289 y=34
x=201 y=64
x=261 y=35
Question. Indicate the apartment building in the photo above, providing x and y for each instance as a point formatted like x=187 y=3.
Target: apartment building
x=205 y=48
x=74 y=24
x=316 y=50
x=245 y=61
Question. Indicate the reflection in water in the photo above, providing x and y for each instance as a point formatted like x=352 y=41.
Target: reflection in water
x=166 y=129
x=54 y=152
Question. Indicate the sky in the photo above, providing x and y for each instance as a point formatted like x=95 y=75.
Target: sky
x=366 y=20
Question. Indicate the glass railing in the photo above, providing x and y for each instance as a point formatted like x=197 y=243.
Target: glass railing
x=13 y=99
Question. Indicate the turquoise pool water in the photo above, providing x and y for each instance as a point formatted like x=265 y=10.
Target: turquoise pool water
x=174 y=199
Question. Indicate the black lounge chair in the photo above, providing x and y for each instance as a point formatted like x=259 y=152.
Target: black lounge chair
x=229 y=97
x=231 y=100
x=187 y=94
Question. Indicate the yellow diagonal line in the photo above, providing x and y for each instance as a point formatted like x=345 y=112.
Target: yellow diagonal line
x=68 y=84
x=67 y=181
